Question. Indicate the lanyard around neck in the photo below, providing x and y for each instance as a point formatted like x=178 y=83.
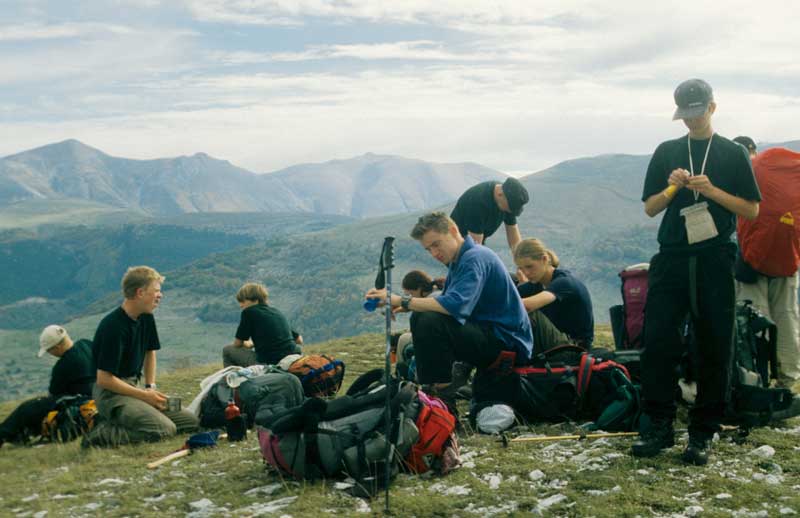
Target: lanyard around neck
x=705 y=159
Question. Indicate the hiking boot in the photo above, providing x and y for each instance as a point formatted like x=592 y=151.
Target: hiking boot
x=460 y=373
x=696 y=452
x=658 y=436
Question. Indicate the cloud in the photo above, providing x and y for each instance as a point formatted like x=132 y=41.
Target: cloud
x=511 y=84
x=35 y=31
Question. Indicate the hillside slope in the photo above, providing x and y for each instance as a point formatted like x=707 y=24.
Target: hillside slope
x=562 y=478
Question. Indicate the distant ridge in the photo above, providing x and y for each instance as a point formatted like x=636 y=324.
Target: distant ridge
x=366 y=186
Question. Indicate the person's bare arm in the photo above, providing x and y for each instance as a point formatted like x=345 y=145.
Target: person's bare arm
x=513 y=236
x=417 y=303
x=149 y=367
x=656 y=203
x=537 y=301
x=739 y=206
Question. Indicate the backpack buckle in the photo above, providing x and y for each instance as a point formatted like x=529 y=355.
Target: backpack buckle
x=504 y=363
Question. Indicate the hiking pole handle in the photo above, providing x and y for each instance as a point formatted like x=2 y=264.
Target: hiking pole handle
x=388 y=252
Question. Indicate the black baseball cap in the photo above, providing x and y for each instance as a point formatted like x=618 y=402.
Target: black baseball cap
x=692 y=97
x=746 y=142
x=516 y=194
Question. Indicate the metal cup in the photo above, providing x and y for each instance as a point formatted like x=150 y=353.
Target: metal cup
x=173 y=404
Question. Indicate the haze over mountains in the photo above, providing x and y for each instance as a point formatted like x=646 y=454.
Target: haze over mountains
x=63 y=251
x=366 y=186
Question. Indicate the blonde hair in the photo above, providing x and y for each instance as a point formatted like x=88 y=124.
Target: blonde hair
x=253 y=291
x=139 y=277
x=436 y=221
x=534 y=249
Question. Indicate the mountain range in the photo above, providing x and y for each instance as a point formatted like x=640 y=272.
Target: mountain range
x=65 y=266
x=366 y=186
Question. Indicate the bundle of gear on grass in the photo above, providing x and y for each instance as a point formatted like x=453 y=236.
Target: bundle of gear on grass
x=345 y=436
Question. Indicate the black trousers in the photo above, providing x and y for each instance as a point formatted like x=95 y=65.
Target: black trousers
x=439 y=340
x=26 y=419
x=701 y=285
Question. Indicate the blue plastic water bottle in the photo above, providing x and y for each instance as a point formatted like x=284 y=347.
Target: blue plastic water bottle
x=371 y=304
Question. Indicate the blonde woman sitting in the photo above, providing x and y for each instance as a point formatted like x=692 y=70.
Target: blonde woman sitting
x=558 y=303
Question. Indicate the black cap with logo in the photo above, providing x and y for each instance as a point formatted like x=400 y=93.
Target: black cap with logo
x=692 y=97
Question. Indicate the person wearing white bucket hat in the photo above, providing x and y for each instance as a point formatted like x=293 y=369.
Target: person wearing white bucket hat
x=73 y=374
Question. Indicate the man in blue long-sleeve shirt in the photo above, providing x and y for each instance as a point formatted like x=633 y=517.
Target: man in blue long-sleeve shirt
x=478 y=315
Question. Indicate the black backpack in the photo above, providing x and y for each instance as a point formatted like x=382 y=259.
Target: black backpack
x=752 y=401
x=320 y=438
x=565 y=383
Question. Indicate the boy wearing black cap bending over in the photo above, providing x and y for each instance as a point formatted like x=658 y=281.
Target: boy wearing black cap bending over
x=704 y=181
x=483 y=207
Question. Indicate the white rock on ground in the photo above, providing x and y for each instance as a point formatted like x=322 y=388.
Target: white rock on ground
x=262 y=508
x=493 y=479
x=485 y=512
x=693 y=510
x=536 y=475
x=362 y=506
x=110 y=481
x=450 y=491
x=764 y=452
x=266 y=490
x=546 y=503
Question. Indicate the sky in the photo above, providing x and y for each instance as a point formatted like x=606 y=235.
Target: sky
x=516 y=85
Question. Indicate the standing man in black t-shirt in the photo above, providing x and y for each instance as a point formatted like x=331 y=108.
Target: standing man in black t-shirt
x=72 y=375
x=125 y=346
x=483 y=207
x=704 y=181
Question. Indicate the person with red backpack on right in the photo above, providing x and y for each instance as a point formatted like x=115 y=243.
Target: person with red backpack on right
x=701 y=181
x=767 y=265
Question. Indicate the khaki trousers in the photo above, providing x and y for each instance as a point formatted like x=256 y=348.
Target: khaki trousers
x=776 y=298
x=137 y=421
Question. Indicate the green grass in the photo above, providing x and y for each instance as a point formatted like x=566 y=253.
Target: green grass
x=579 y=478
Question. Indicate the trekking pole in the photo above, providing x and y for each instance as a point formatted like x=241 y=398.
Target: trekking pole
x=548 y=438
x=385 y=277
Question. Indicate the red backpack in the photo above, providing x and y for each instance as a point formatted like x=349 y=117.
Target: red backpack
x=771 y=243
x=436 y=424
x=627 y=319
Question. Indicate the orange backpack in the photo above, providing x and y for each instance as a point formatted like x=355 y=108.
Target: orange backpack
x=320 y=375
x=771 y=243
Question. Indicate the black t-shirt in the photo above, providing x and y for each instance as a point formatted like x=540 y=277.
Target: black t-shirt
x=120 y=343
x=74 y=372
x=728 y=168
x=477 y=212
x=269 y=330
x=571 y=312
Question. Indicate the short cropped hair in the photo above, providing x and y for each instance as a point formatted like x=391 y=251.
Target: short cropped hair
x=436 y=221
x=139 y=277
x=253 y=291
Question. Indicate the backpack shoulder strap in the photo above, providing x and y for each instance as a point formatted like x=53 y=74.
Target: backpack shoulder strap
x=584 y=374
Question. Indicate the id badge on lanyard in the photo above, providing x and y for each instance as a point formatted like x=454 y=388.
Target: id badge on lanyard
x=699 y=223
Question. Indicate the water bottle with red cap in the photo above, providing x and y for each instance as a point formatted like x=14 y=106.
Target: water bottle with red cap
x=234 y=422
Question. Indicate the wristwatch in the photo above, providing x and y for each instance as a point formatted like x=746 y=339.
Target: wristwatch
x=405 y=300
x=150 y=385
